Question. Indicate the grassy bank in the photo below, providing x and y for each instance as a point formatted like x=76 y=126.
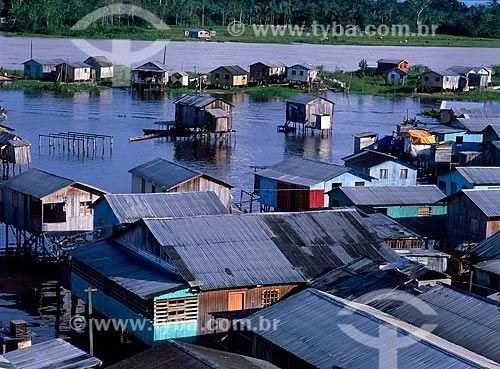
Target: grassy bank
x=26 y=85
x=474 y=95
x=176 y=33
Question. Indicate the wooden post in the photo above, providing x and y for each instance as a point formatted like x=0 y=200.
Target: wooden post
x=89 y=291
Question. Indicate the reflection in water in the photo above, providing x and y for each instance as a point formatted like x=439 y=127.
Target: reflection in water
x=216 y=151
x=309 y=146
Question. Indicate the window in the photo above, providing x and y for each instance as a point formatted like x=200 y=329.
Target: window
x=236 y=301
x=143 y=185
x=438 y=79
x=403 y=173
x=269 y=297
x=85 y=208
x=226 y=77
x=175 y=310
x=301 y=72
x=426 y=78
x=54 y=212
x=28 y=67
x=384 y=173
x=294 y=72
x=425 y=212
x=442 y=185
x=359 y=184
x=460 y=140
x=153 y=188
x=217 y=76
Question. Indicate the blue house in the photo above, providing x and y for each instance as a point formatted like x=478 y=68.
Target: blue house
x=297 y=183
x=42 y=68
x=396 y=76
x=386 y=170
x=473 y=138
x=464 y=178
x=418 y=207
x=112 y=212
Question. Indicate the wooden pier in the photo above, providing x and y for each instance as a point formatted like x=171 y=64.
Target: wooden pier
x=87 y=144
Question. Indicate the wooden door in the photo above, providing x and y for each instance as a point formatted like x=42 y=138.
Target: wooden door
x=236 y=301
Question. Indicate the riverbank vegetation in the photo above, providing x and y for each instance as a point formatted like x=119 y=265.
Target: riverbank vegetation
x=458 y=25
x=26 y=85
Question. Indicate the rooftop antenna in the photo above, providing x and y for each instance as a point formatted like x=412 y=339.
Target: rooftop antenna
x=31 y=50
x=165 y=54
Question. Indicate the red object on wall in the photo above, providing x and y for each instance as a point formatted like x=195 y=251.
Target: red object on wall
x=316 y=199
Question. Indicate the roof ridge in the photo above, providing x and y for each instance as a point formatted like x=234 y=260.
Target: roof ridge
x=194 y=355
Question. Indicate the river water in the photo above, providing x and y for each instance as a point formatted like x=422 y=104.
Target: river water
x=122 y=114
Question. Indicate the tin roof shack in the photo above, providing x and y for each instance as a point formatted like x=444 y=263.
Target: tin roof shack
x=463 y=178
x=13 y=150
x=486 y=277
x=113 y=212
x=37 y=201
x=228 y=76
x=226 y=263
x=383 y=65
x=103 y=66
x=487 y=249
x=394 y=234
x=268 y=72
x=472 y=77
x=455 y=109
x=386 y=169
x=42 y=68
x=439 y=81
x=313 y=112
x=433 y=259
x=152 y=75
x=302 y=73
x=179 y=79
x=74 y=72
x=396 y=76
x=473 y=215
x=297 y=183
x=365 y=141
x=180 y=355
x=160 y=175
x=54 y=353
x=417 y=207
x=204 y=112
x=336 y=333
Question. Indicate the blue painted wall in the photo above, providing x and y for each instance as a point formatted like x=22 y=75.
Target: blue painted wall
x=104 y=218
x=151 y=334
x=32 y=69
x=454 y=182
x=393 y=179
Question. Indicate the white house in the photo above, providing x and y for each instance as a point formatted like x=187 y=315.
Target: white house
x=302 y=73
x=440 y=80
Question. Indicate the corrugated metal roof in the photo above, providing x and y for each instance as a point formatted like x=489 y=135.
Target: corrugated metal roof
x=480 y=175
x=442 y=73
x=368 y=158
x=235 y=70
x=77 y=64
x=159 y=66
x=390 y=61
x=441 y=129
x=164 y=173
x=308 y=322
x=462 y=318
x=365 y=134
x=101 y=61
x=129 y=208
x=475 y=125
x=305 y=99
x=486 y=200
x=394 y=195
x=462 y=69
x=388 y=228
x=302 y=171
x=37 y=183
x=447 y=105
x=131 y=271
x=490 y=266
x=358 y=280
x=198 y=101
x=306 y=66
x=271 y=63
x=317 y=241
x=223 y=251
x=488 y=248
x=55 y=353
x=217 y=113
x=181 y=73
x=47 y=61
x=179 y=355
